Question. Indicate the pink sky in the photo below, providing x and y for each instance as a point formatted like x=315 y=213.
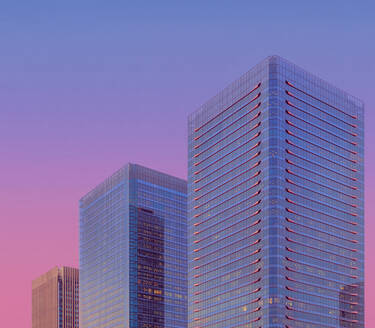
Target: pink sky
x=87 y=86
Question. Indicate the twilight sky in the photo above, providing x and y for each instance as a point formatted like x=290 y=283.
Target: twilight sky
x=86 y=86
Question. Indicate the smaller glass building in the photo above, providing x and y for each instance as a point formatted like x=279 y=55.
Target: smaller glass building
x=55 y=299
x=133 y=252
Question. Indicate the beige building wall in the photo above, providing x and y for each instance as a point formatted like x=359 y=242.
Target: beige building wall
x=45 y=299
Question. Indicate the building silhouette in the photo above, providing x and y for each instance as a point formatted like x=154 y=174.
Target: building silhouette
x=133 y=251
x=275 y=203
x=55 y=299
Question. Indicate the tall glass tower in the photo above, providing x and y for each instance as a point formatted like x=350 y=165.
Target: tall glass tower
x=133 y=251
x=276 y=203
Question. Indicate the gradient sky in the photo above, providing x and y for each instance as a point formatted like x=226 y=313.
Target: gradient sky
x=86 y=86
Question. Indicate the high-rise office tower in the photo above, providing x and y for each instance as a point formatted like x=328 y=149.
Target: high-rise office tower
x=133 y=251
x=275 y=203
x=55 y=301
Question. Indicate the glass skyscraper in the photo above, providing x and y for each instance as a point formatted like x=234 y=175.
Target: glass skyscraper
x=276 y=203
x=133 y=251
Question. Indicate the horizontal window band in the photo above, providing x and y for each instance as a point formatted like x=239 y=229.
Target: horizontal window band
x=247 y=257
x=322 y=222
x=255 y=300
x=306 y=198
x=319 y=109
x=227 y=154
x=231 y=244
x=319 y=184
x=216 y=322
x=294 y=116
x=320 y=165
x=312 y=285
x=222 y=221
x=319 y=119
x=318 y=295
x=243 y=325
x=223 y=184
x=228 y=291
x=209 y=147
x=226 y=283
x=315 y=325
x=230 y=162
x=256 y=251
x=291 y=182
x=223 y=111
x=253 y=128
x=227 y=236
x=290 y=191
x=226 y=173
x=323 y=232
x=319 y=305
x=246 y=324
x=256 y=135
x=289 y=142
x=320 y=315
x=230 y=198
x=316 y=173
x=316 y=145
x=323 y=102
x=228 y=208
x=353 y=250
x=227 y=126
x=288 y=239
x=316 y=136
x=232 y=225
x=200 y=266
x=229 y=318
x=232 y=188
x=317 y=258
x=320 y=268
x=225 y=274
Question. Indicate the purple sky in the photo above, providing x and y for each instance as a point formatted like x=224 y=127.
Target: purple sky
x=86 y=86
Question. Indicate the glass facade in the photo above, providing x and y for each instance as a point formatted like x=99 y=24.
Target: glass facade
x=55 y=299
x=133 y=251
x=276 y=203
